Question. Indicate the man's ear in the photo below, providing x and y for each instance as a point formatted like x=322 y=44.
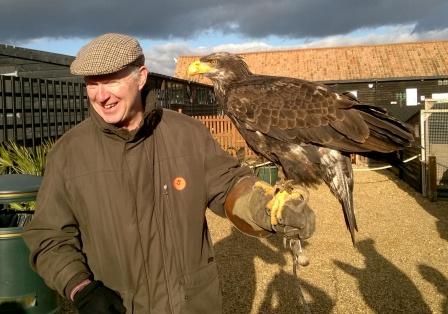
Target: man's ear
x=143 y=76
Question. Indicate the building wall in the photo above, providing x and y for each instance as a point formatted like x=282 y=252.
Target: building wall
x=388 y=93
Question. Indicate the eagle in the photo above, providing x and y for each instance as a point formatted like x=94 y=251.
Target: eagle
x=303 y=127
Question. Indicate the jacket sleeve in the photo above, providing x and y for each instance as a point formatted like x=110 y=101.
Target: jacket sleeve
x=53 y=235
x=222 y=171
x=230 y=187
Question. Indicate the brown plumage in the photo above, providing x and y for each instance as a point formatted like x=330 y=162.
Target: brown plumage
x=302 y=126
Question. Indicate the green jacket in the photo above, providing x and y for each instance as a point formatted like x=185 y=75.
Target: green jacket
x=128 y=209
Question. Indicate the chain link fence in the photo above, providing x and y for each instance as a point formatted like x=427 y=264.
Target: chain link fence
x=434 y=142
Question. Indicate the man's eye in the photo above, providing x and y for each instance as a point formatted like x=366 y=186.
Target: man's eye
x=112 y=83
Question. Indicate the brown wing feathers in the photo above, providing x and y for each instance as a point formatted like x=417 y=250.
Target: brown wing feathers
x=320 y=118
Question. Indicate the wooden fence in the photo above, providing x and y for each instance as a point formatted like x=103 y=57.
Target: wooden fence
x=32 y=110
x=226 y=135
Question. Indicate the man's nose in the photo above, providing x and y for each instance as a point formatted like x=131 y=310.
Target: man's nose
x=103 y=93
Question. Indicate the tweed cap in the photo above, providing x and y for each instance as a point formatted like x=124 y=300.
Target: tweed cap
x=108 y=53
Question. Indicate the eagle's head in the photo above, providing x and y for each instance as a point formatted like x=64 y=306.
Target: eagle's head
x=222 y=67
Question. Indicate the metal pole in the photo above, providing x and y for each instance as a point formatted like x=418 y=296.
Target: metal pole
x=423 y=153
x=432 y=178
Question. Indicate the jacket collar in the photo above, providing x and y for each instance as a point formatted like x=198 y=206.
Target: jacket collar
x=151 y=118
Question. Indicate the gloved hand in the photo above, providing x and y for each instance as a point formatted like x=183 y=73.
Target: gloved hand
x=288 y=209
x=98 y=299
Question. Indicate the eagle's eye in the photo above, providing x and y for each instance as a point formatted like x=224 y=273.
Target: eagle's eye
x=214 y=62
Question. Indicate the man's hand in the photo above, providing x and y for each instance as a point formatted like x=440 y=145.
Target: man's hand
x=288 y=209
x=96 y=298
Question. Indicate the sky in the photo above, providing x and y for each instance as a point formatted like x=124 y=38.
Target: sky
x=167 y=29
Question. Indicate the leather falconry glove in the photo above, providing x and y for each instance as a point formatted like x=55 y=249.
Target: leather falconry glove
x=97 y=298
x=288 y=209
x=257 y=208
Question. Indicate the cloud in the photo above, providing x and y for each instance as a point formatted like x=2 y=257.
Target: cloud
x=433 y=19
x=317 y=23
x=23 y=20
x=162 y=58
x=383 y=35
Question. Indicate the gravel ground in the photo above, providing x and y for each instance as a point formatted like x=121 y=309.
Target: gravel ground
x=398 y=265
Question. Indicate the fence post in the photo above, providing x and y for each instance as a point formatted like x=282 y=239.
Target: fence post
x=432 y=178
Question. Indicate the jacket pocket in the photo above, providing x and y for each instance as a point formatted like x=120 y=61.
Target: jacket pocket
x=201 y=291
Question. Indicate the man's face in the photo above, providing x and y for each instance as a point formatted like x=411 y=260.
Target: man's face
x=116 y=97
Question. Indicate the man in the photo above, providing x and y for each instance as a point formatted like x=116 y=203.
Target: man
x=120 y=220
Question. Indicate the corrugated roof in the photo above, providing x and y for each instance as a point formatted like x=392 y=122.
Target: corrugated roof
x=366 y=62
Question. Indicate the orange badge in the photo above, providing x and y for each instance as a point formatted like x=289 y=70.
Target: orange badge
x=179 y=183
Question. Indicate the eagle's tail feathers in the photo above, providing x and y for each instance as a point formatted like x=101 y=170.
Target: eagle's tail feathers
x=346 y=200
x=389 y=129
x=340 y=180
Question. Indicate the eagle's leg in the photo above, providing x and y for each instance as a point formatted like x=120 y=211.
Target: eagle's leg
x=286 y=185
x=298 y=260
x=295 y=246
x=294 y=243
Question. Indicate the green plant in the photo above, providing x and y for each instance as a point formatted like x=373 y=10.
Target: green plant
x=19 y=159
x=15 y=158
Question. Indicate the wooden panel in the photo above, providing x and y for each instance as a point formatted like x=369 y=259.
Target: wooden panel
x=226 y=134
x=32 y=109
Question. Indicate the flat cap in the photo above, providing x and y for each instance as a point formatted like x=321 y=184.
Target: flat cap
x=108 y=53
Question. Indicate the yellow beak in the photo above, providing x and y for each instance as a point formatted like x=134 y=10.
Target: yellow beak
x=198 y=67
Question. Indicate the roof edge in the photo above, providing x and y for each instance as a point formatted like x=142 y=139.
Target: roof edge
x=276 y=50
x=32 y=54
